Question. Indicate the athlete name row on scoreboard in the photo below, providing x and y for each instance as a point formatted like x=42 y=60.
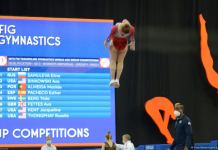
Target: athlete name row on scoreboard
x=17 y=71
x=54 y=115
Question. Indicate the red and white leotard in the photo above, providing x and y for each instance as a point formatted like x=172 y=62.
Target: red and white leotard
x=119 y=39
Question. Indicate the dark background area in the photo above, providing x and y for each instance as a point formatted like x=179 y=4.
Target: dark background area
x=166 y=62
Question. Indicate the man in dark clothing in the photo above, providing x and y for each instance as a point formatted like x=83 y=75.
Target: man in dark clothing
x=183 y=130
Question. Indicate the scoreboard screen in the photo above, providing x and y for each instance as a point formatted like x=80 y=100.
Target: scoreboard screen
x=54 y=80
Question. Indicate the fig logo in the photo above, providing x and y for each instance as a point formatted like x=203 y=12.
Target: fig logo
x=104 y=62
x=153 y=108
x=206 y=57
x=3 y=60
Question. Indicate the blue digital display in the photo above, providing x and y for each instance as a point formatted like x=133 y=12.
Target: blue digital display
x=54 y=80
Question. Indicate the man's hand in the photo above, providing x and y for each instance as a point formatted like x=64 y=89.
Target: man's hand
x=106 y=43
x=132 y=46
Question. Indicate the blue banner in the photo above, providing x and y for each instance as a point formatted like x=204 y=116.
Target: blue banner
x=54 y=80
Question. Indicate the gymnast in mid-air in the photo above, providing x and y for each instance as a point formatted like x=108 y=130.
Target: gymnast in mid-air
x=120 y=38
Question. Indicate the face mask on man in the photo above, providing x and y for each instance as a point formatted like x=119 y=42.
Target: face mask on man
x=124 y=142
x=177 y=113
x=48 y=142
